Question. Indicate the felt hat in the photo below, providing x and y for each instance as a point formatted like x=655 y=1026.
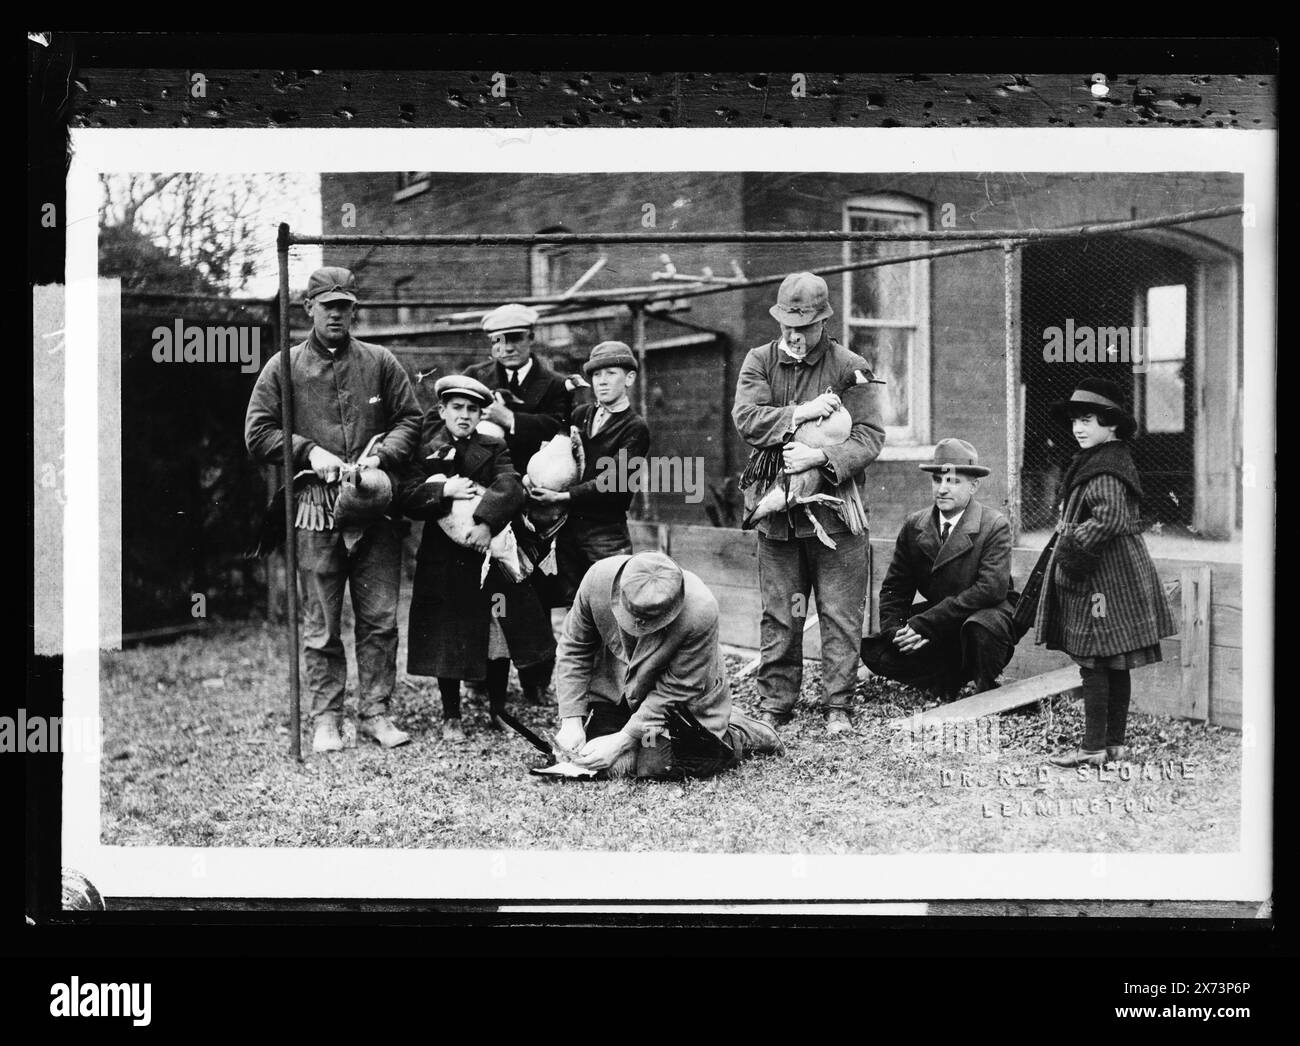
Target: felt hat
x=609 y=354
x=509 y=318
x=651 y=593
x=955 y=455
x=1098 y=396
x=802 y=299
x=332 y=283
x=462 y=385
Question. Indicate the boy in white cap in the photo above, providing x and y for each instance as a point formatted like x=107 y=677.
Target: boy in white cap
x=459 y=629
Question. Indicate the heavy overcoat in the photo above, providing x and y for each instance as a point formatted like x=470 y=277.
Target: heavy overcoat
x=545 y=410
x=971 y=571
x=448 y=629
x=1101 y=594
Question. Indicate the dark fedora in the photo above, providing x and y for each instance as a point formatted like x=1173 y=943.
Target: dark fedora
x=955 y=455
x=651 y=593
x=1101 y=397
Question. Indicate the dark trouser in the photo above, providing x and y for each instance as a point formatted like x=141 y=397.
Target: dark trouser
x=372 y=574
x=979 y=650
x=654 y=757
x=1106 y=693
x=579 y=545
x=838 y=576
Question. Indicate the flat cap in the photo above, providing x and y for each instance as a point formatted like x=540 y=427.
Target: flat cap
x=509 y=318
x=332 y=283
x=609 y=354
x=462 y=385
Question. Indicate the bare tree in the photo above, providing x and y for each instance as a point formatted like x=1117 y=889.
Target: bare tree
x=220 y=225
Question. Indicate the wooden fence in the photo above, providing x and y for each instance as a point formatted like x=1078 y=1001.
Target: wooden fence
x=1199 y=678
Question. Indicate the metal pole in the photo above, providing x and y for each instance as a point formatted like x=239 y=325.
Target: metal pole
x=528 y=239
x=638 y=349
x=1011 y=342
x=290 y=533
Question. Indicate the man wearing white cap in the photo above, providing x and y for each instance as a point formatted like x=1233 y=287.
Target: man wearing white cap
x=531 y=402
x=805 y=375
x=639 y=653
x=346 y=393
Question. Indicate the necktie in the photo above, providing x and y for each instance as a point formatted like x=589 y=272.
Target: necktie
x=598 y=422
x=514 y=381
x=947 y=529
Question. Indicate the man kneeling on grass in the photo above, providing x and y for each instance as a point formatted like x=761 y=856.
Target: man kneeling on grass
x=640 y=679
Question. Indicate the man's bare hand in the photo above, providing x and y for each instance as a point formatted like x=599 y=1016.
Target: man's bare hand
x=480 y=537
x=461 y=487
x=600 y=752
x=326 y=465
x=798 y=457
x=571 y=736
x=908 y=640
x=822 y=407
x=499 y=413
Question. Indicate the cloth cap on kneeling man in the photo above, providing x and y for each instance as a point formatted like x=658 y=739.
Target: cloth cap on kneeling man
x=651 y=593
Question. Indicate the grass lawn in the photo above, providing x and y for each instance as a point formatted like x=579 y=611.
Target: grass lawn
x=196 y=754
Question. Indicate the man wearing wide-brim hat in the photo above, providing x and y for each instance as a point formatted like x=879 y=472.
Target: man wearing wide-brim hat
x=640 y=645
x=957 y=555
x=801 y=376
x=354 y=405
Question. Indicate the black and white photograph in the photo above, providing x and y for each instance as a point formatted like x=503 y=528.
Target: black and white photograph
x=761 y=515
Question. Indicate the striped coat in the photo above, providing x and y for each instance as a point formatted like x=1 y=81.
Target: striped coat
x=1101 y=595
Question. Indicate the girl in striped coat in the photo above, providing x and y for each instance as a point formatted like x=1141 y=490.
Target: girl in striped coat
x=1102 y=602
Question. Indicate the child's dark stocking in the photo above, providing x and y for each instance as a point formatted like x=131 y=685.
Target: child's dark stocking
x=1096 y=696
x=1117 y=706
x=498 y=680
x=450 y=691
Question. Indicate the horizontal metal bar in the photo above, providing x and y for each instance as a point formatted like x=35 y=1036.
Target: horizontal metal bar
x=526 y=239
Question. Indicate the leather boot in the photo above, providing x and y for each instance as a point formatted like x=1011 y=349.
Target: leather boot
x=1080 y=757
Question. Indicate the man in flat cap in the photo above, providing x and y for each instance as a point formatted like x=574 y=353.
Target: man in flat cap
x=531 y=402
x=805 y=375
x=345 y=394
x=596 y=526
x=638 y=657
x=957 y=555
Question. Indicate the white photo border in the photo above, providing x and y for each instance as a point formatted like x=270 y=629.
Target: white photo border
x=164 y=872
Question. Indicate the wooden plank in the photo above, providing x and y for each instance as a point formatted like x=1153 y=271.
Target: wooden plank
x=1194 y=643
x=1005 y=698
x=1225 y=622
x=739 y=612
x=1225 y=687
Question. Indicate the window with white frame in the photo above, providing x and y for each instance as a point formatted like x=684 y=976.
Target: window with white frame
x=887 y=313
x=549 y=274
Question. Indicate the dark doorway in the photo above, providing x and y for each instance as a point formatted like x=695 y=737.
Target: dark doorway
x=1124 y=308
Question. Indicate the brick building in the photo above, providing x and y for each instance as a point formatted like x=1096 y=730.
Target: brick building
x=935 y=330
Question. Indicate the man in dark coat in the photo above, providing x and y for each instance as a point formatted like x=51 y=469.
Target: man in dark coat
x=957 y=555
x=530 y=402
x=345 y=393
x=459 y=630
